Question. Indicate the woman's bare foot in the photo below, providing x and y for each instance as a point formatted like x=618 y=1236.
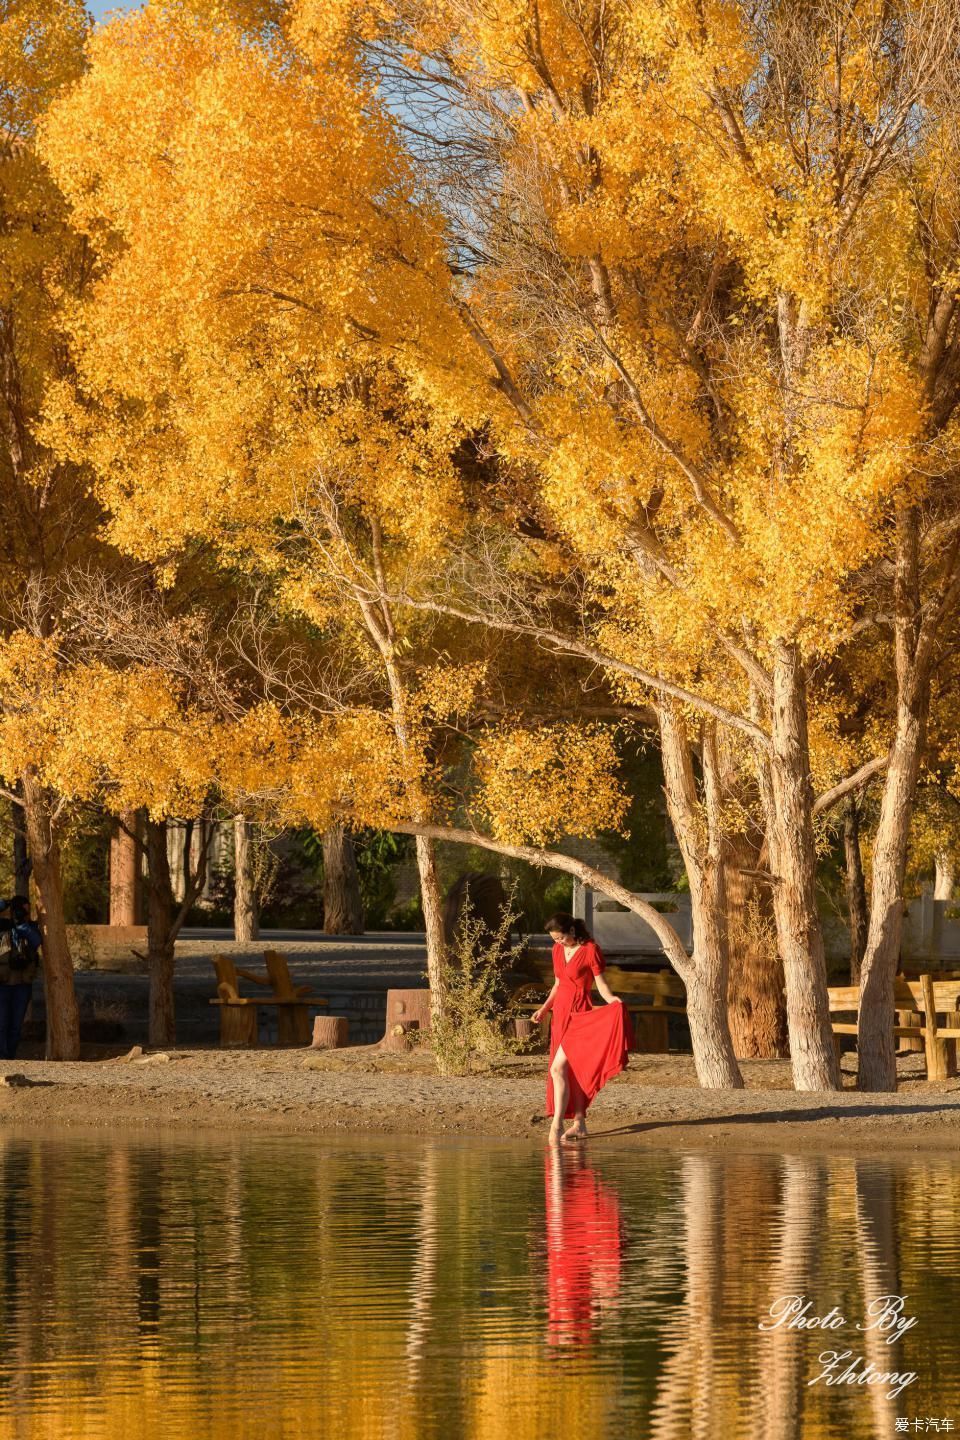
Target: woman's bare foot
x=556 y=1134
x=576 y=1133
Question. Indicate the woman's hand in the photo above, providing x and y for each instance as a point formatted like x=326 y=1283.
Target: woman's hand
x=537 y=1016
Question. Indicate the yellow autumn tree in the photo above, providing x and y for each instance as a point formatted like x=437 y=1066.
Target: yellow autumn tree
x=700 y=302
x=48 y=515
x=273 y=409
x=715 y=291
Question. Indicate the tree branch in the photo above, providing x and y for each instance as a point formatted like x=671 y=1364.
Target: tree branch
x=565 y=645
x=829 y=798
x=552 y=859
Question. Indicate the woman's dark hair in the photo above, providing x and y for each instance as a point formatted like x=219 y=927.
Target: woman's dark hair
x=568 y=925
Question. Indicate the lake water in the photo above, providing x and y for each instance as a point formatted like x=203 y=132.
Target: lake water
x=385 y=1289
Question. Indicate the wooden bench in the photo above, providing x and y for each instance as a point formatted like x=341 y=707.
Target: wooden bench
x=238 y=1013
x=918 y=1004
x=650 y=998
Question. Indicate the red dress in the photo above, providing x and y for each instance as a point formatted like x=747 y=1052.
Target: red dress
x=584 y=1247
x=595 y=1039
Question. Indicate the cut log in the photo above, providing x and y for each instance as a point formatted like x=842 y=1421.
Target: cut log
x=330 y=1032
x=398 y=1037
x=410 y=1009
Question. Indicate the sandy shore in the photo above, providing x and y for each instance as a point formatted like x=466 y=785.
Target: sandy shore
x=655 y=1102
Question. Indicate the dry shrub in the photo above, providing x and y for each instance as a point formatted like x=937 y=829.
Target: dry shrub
x=478 y=1012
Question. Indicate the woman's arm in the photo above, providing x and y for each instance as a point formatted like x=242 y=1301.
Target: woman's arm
x=538 y=1015
x=605 y=990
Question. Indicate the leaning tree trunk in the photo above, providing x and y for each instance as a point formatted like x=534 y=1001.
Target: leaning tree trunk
x=793 y=862
x=342 y=904
x=246 y=922
x=945 y=876
x=379 y=623
x=856 y=888
x=161 y=938
x=63 y=1016
x=756 y=1003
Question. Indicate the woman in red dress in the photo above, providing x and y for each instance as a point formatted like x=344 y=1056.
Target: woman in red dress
x=588 y=1045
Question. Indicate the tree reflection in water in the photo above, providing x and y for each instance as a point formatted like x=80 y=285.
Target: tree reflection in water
x=312 y=1290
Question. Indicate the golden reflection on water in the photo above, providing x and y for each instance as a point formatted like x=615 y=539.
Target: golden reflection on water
x=379 y=1290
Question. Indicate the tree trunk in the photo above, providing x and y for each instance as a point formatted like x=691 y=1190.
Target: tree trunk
x=63 y=1017
x=913 y=653
x=802 y=1211
x=705 y=975
x=379 y=623
x=793 y=862
x=877 y=1067
x=342 y=905
x=161 y=938
x=246 y=921
x=431 y=898
x=946 y=872
x=856 y=888
x=876 y=1249
x=21 y=855
x=756 y=1003
x=713 y=1052
x=125 y=871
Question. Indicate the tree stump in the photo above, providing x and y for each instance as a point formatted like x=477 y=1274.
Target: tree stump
x=398 y=1037
x=535 y=1036
x=329 y=1032
x=408 y=1009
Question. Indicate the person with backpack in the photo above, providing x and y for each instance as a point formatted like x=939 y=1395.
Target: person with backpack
x=20 y=942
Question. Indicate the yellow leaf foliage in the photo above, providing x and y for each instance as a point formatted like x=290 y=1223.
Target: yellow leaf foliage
x=540 y=784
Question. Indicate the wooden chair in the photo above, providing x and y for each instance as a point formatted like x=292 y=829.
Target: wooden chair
x=238 y=1013
x=293 y=1002
x=917 y=1004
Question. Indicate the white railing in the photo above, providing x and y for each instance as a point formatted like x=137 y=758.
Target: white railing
x=620 y=931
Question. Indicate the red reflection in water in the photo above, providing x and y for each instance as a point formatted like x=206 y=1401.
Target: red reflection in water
x=584 y=1247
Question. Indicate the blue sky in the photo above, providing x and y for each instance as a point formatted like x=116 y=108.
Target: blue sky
x=99 y=8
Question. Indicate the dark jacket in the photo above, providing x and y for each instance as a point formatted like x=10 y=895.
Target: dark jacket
x=8 y=974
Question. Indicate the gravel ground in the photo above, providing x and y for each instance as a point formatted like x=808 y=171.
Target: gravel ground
x=655 y=1102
